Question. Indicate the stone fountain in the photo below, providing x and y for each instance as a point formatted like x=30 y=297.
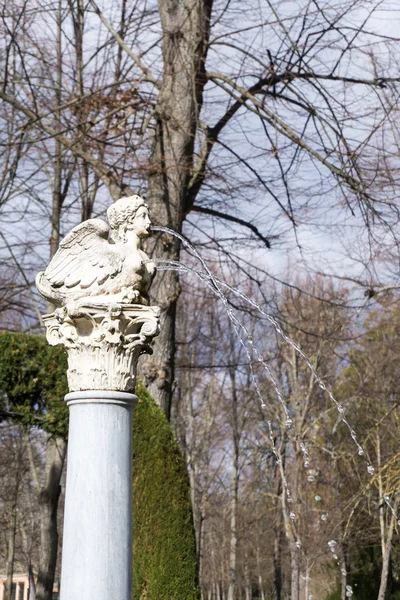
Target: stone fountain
x=99 y=281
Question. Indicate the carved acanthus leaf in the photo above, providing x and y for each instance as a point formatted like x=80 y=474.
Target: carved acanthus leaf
x=103 y=343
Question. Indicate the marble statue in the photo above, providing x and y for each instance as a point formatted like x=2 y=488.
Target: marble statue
x=99 y=281
x=101 y=262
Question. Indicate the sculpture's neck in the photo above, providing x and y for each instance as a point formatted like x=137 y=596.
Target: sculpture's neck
x=132 y=239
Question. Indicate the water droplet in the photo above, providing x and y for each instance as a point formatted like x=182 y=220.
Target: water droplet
x=349 y=591
x=322 y=386
x=310 y=479
x=324 y=517
x=398 y=522
x=332 y=544
x=278 y=461
x=317 y=498
x=386 y=497
x=370 y=469
x=343 y=572
x=310 y=597
x=360 y=452
x=292 y=516
x=306 y=463
x=340 y=409
x=306 y=578
x=298 y=544
x=289 y=422
x=335 y=556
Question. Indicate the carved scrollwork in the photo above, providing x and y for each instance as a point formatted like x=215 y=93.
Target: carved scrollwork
x=103 y=343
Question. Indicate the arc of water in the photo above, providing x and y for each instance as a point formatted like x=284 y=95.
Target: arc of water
x=237 y=325
x=215 y=285
x=178 y=266
x=208 y=279
x=212 y=283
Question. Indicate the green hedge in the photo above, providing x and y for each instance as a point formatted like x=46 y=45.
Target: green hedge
x=164 y=548
x=33 y=382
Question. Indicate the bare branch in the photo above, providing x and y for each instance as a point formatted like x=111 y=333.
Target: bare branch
x=221 y=215
x=111 y=181
x=148 y=76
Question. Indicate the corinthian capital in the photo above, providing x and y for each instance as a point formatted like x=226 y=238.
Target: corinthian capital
x=103 y=342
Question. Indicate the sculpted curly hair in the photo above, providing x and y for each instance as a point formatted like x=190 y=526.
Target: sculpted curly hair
x=122 y=211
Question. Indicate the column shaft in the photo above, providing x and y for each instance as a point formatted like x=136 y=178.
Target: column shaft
x=97 y=542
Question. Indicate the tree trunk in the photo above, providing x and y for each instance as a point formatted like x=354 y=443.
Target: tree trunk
x=236 y=435
x=386 y=555
x=185 y=25
x=260 y=579
x=32 y=583
x=49 y=491
x=386 y=531
x=294 y=574
x=49 y=495
x=290 y=533
x=277 y=589
x=247 y=581
x=57 y=195
x=10 y=552
x=384 y=573
x=261 y=587
x=27 y=552
x=307 y=583
x=233 y=539
x=343 y=579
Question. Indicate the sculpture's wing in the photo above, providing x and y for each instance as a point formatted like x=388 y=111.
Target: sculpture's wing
x=84 y=257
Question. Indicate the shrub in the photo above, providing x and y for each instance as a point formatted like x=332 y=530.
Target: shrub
x=164 y=547
x=33 y=382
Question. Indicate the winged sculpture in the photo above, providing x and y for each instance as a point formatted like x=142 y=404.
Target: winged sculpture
x=102 y=262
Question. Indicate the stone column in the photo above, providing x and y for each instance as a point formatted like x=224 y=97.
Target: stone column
x=103 y=345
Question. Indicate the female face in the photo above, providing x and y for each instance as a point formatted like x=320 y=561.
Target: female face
x=141 y=222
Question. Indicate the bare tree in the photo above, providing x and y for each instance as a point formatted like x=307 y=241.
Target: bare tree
x=239 y=122
x=139 y=107
x=13 y=470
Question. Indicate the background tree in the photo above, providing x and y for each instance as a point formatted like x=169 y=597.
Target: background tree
x=237 y=141
x=32 y=386
x=370 y=388
x=176 y=99
x=13 y=471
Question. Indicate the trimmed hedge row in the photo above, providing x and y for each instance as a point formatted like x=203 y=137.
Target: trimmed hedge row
x=33 y=383
x=164 y=547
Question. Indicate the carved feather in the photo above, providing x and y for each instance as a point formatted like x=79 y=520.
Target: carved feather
x=90 y=267
x=83 y=263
